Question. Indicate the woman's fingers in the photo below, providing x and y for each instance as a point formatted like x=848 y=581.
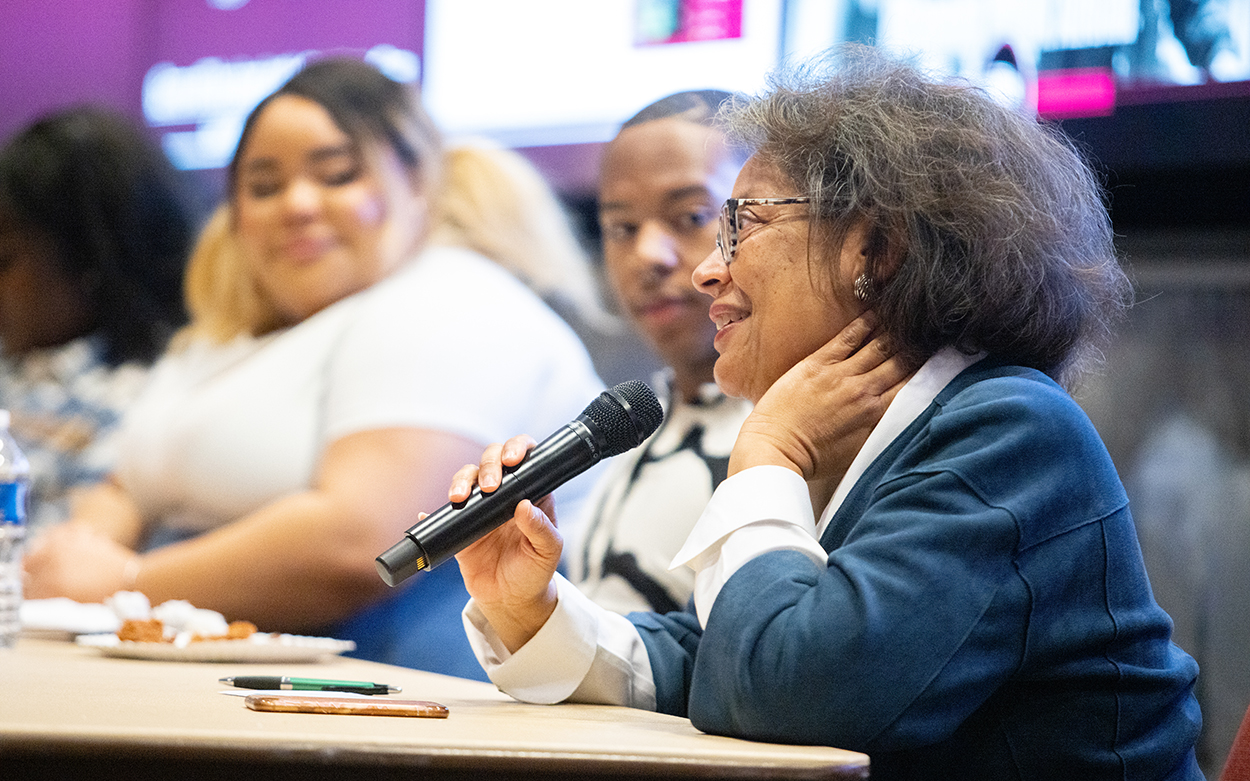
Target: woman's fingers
x=75 y=561
x=817 y=415
x=509 y=571
x=548 y=505
x=892 y=374
x=858 y=342
x=850 y=340
x=488 y=472
x=881 y=371
x=539 y=530
x=462 y=483
x=515 y=449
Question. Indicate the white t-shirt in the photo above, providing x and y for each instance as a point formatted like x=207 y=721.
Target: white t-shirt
x=451 y=342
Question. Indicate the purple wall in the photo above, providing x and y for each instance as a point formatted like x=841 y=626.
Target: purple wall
x=57 y=52
x=186 y=30
x=53 y=54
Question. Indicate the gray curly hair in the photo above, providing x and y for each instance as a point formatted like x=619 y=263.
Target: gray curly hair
x=993 y=225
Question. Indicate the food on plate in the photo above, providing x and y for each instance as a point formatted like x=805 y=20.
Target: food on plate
x=153 y=630
x=140 y=630
x=179 y=631
x=175 y=621
x=239 y=630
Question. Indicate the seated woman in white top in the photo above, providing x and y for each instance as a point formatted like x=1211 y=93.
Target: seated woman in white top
x=321 y=398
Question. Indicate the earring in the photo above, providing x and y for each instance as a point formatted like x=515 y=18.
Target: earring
x=863 y=287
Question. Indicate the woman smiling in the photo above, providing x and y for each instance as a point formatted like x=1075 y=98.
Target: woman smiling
x=315 y=405
x=937 y=568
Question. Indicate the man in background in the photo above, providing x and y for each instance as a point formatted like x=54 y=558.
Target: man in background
x=663 y=180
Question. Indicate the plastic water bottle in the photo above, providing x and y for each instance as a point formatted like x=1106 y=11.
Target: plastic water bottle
x=14 y=482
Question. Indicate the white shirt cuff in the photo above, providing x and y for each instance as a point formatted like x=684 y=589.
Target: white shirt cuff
x=757 y=511
x=583 y=652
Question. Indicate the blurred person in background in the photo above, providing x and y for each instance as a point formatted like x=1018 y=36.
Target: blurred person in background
x=496 y=203
x=661 y=183
x=320 y=397
x=95 y=227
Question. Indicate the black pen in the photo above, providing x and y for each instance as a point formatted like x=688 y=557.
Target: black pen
x=274 y=682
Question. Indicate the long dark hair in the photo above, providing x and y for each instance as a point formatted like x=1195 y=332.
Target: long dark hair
x=119 y=214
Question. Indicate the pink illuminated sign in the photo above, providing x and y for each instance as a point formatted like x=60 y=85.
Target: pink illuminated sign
x=1078 y=92
x=683 y=21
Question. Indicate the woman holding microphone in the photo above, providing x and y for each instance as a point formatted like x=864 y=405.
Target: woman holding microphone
x=937 y=568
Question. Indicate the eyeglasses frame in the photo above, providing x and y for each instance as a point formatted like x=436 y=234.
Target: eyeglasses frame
x=729 y=221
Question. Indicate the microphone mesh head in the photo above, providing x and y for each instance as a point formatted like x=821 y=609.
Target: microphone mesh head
x=624 y=416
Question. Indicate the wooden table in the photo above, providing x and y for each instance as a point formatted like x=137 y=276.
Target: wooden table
x=68 y=712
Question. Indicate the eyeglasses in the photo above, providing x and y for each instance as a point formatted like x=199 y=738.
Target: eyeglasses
x=727 y=236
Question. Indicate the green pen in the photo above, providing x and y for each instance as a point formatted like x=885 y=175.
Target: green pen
x=274 y=682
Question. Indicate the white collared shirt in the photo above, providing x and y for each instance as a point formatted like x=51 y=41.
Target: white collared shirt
x=769 y=508
x=587 y=654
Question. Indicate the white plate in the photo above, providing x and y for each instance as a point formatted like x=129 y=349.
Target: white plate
x=258 y=648
x=60 y=618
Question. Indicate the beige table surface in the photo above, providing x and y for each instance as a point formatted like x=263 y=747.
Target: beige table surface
x=66 y=709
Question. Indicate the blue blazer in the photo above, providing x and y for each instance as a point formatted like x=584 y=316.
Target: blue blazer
x=984 y=611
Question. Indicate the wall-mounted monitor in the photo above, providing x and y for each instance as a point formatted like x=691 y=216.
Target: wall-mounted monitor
x=1158 y=91
x=546 y=72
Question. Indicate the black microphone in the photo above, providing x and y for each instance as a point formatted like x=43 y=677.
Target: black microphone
x=617 y=420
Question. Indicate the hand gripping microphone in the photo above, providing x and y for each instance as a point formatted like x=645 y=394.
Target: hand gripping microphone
x=617 y=420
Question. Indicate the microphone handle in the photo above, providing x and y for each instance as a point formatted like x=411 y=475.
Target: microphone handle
x=560 y=457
